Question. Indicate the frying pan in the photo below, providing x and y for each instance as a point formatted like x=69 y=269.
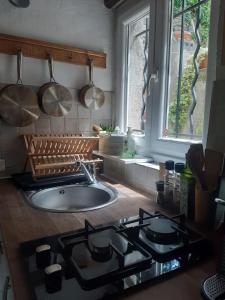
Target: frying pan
x=18 y=103
x=90 y=95
x=54 y=99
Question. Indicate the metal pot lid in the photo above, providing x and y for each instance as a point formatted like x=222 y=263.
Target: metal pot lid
x=18 y=105
x=57 y=100
x=94 y=98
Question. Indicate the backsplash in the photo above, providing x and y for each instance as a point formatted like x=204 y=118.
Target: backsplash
x=78 y=120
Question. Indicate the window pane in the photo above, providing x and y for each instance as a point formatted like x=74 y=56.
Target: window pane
x=137 y=71
x=188 y=3
x=187 y=73
x=177 y=6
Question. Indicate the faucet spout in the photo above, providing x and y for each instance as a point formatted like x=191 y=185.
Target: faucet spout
x=90 y=177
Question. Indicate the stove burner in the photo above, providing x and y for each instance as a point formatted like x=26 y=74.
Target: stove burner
x=162 y=231
x=101 y=249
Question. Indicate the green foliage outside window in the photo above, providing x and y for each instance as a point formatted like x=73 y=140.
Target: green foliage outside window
x=185 y=99
x=189 y=72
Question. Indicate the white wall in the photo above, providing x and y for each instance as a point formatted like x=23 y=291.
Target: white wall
x=80 y=23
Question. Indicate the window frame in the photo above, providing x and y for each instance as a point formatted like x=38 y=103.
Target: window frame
x=133 y=19
x=130 y=14
x=155 y=145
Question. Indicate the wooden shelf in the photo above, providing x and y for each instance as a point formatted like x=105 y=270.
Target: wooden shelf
x=10 y=44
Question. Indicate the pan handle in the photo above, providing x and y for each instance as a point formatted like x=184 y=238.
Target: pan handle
x=19 y=67
x=50 y=65
x=91 y=67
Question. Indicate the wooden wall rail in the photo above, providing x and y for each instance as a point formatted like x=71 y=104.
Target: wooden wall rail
x=39 y=49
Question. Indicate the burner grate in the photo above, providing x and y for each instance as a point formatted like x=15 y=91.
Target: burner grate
x=165 y=238
x=98 y=256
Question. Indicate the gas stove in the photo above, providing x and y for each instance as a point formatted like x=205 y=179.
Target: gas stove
x=104 y=261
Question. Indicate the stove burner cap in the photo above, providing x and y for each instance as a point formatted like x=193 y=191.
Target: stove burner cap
x=101 y=249
x=162 y=231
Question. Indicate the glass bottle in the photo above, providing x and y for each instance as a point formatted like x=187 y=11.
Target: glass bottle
x=169 y=180
x=179 y=169
x=187 y=192
x=160 y=189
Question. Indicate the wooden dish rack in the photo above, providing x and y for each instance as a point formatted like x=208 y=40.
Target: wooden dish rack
x=56 y=155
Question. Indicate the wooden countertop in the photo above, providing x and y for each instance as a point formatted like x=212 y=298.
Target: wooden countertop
x=19 y=222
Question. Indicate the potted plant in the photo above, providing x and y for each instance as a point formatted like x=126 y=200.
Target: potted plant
x=203 y=60
x=110 y=141
x=187 y=35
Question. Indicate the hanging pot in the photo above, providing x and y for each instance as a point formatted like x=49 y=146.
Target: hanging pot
x=91 y=96
x=54 y=99
x=18 y=103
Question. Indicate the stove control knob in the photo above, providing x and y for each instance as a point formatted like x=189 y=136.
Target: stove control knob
x=53 y=278
x=43 y=256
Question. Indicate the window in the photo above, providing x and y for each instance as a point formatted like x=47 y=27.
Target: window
x=188 y=61
x=171 y=106
x=137 y=67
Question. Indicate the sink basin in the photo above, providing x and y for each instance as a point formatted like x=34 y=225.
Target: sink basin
x=73 y=198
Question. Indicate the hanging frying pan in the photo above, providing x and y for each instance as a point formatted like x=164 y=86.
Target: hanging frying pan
x=18 y=103
x=90 y=95
x=54 y=99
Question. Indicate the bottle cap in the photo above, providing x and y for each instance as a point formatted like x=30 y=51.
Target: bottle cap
x=179 y=167
x=169 y=165
x=53 y=268
x=42 y=248
x=160 y=186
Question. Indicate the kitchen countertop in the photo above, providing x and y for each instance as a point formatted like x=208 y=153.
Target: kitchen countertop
x=19 y=222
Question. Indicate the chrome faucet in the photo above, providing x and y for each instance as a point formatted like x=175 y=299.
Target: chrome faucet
x=89 y=171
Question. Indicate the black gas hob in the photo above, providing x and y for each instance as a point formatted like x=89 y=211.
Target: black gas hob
x=100 y=262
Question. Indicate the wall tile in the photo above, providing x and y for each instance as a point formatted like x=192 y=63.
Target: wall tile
x=113 y=169
x=27 y=130
x=83 y=112
x=135 y=175
x=7 y=131
x=43 y=126
x=57 y=125
x=84 y=125
x=15 y=156
x=102 y=121
x=140 y=177
x=113 y=108
x=71 y=126
x=129 y=173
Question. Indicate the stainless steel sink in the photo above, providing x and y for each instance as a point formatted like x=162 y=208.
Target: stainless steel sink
x=73 y=198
